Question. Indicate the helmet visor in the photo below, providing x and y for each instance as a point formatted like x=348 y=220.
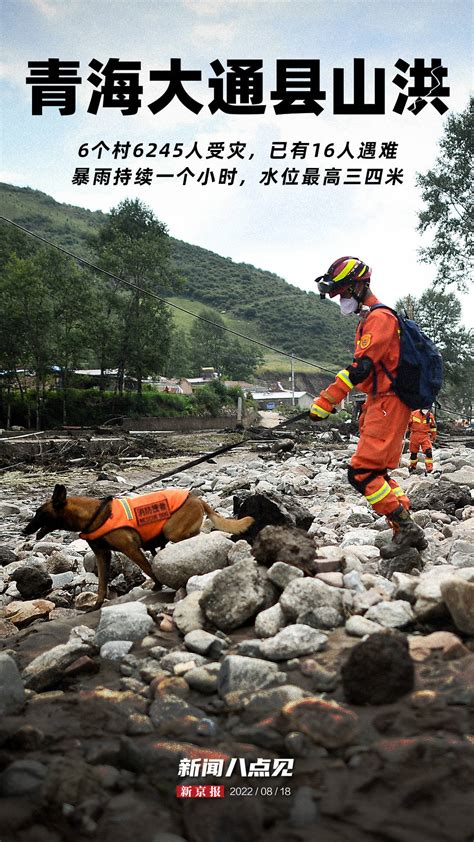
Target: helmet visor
x=326 y=286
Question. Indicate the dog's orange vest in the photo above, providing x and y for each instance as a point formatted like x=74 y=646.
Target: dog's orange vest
x=147 y=514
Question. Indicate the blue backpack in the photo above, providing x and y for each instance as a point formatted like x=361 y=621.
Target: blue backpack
x=419 y=375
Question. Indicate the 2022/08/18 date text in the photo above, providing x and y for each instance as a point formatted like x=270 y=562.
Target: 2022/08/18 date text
x=259 y=790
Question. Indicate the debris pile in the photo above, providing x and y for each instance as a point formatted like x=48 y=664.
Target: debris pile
x=299 y=643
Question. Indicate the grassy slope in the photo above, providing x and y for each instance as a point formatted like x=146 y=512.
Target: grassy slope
x=251 y=301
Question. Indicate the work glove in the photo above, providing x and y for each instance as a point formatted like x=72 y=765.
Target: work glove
x=321 y=409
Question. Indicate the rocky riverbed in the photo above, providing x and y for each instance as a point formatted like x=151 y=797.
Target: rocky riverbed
x=329 y=692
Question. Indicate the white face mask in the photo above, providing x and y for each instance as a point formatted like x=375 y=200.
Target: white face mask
x=348 y=306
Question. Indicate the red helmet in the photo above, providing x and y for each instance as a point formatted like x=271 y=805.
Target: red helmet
x=343 y=273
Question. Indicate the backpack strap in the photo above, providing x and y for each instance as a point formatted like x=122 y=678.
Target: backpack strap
x=382 y=365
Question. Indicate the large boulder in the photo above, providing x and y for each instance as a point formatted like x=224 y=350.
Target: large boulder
x=443 y=496
x=176 y=563
x=234 y=596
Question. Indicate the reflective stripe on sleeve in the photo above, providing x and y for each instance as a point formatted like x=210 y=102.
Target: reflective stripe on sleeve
x=319 y=411
x=344 y=376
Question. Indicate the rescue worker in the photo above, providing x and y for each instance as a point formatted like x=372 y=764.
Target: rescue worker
x=422 y=429
x=384 y=417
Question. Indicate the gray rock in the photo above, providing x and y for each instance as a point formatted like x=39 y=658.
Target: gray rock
x=200 y=583
x=60 y=580
x=60 y=562
x=129 y=621
x=358 y=626
x=47 y=669
x=234 y=596
x=265 y=702
x=305 y=594
x=7 y=556
x=281 y=574
x=292 y=642
x=8 y=509
x=392 y=615
x=239 y=673
x=188 y=614
x=22 y=777
x=204 y=679
x=353 y=581
x=359 y=537
x=172 y=659
x=32 y=581
x=407 y=561
x=304 y=809
x=459 y=599
x=12 y=692
x=167 y=714
x=115 y=650
x=204 y=643
x=239 y=552
x=176 y=563
x=323 y=617
x=429 y=600
x=270 y=621
x=463 y=476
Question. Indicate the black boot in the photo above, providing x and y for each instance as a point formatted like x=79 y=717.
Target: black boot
x=407 y=534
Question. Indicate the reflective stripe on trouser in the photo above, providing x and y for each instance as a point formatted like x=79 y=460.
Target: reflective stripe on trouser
x=399 y=493
x=428 y=465
x=382 y=429
x=382 y=498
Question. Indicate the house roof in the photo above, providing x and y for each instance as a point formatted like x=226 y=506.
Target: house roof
x=273 y=396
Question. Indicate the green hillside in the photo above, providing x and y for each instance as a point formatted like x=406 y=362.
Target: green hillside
x=252 y=301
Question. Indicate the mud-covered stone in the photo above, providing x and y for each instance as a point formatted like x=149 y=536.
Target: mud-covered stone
x=325 y=722
x=378 y=670
x=285 y=544
x=443 y=496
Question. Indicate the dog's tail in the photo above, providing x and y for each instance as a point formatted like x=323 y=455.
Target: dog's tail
x=227 y=524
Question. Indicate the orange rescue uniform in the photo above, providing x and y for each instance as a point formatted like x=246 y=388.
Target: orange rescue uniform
x=147 y=513
x=384 y=416
x=422 y=429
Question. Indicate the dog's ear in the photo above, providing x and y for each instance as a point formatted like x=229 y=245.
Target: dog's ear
x=59 y=496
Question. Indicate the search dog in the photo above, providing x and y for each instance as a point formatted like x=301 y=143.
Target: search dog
x=89 y=515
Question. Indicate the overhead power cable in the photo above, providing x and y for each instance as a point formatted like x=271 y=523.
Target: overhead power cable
x=152 y=294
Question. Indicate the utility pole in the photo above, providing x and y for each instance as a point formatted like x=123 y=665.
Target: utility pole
x=292 y=379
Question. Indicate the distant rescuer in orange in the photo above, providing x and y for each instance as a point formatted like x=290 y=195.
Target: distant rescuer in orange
x=422 y=429
x=384 y=416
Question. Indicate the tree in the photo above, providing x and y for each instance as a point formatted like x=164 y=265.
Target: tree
x=447 y=193
x=180 y=358
x=208 y=341
x=134 y=245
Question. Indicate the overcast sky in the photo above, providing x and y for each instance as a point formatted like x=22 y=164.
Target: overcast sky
x=294 y=230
